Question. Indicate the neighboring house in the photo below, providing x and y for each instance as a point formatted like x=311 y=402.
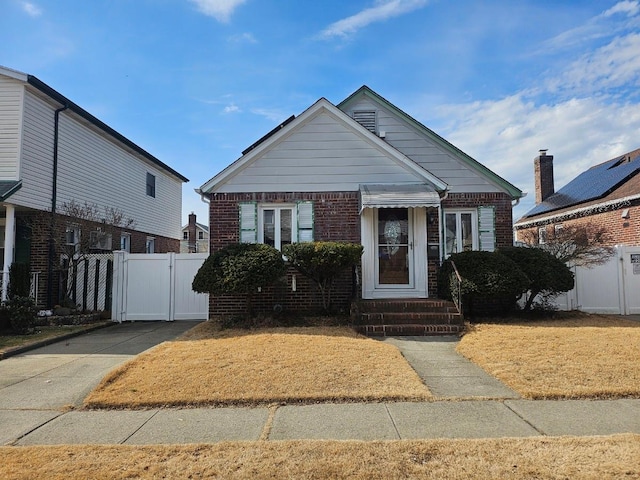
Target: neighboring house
x=363 y=171
x=605 y=195
x=53 y=152
x=195 y=237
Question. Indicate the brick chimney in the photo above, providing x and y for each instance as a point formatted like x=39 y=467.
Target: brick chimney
x=191 y=230
x=543 y=173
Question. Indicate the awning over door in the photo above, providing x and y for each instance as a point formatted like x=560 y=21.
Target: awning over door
x=398 y=196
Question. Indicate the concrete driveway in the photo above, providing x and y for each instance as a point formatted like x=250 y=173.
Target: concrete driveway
x=60 y=375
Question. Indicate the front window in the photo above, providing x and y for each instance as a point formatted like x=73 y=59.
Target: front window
x=460 y=231
x=276 y=226
x=125 y=242
x=151 y=245
x=200 y=235
x=542 y=235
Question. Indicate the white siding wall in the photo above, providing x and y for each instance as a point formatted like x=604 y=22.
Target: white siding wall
x=10 y=123
x=430 y=156
x=37 y=155
x=94 y=169
x=322 y=155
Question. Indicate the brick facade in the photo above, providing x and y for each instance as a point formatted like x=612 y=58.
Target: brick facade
x=622 y=231
x=39 y=253
x=336 y=218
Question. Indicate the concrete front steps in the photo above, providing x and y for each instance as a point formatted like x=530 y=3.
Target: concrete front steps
x=417 y=317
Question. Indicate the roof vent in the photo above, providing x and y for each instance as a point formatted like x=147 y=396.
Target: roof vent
x=366 y=118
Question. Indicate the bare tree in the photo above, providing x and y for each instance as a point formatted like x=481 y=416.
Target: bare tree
x=84 y=229
x=585 y=244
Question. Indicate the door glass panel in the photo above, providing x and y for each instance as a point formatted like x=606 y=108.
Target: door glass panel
x=285 y=227
x=450 y=234
x=269 y=218
x=467 y=236
x=393 y=246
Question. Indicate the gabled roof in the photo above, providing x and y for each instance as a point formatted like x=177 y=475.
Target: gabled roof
x=290 y=126
x=199 y=225
x=434 y=137
x=595 y=183
x=64 y=101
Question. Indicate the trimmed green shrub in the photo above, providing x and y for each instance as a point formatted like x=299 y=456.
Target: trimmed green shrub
x=322 y=262
x=491 y=282
x=240 y=268
x=547 y=274
x=22 y=314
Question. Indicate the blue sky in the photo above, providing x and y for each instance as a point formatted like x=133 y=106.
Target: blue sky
x=195 y=82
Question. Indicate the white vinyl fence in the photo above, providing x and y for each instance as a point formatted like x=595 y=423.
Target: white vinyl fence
x=612 y=288
x=157 y=287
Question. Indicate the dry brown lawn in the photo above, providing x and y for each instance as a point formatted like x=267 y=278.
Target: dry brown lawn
x=592 y=356
x=598 y=458
x=257 y=367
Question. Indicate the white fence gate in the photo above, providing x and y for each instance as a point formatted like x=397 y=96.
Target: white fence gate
x=612 y=288
x=157 y=287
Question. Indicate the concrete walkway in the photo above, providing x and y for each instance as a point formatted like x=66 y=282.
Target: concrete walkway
x=38 y=390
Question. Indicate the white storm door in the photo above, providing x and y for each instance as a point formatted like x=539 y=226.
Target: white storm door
x=394 y=249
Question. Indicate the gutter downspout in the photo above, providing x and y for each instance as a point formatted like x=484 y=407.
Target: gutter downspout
x=54 y=198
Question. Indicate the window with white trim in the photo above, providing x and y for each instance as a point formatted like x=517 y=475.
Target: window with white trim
x=469 y=229
x=542 y=235
x=276 y=224
x=125 y=242
x=150 y=246
x=460 y=231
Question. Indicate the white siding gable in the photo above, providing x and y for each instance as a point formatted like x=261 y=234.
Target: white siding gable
x=410 y=141
x=10 y=127
x=322 y=153
x=93 y=168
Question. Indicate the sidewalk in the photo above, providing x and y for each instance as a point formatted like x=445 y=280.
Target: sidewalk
x=38 y=389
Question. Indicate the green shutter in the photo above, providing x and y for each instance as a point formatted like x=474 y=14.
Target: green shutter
x=305 y=221
x=248 y=222
x=486 y=228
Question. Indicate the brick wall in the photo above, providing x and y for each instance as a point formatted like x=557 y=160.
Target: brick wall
x=623 y=231
x=336 y=218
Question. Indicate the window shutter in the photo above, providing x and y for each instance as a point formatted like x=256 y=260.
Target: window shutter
x=248 y=222
x=486 y=228
x=305 y=221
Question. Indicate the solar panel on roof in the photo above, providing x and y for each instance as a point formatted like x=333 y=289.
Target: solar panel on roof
x=594 y=183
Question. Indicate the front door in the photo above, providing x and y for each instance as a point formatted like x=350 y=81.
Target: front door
x=394 y=246
x=394 y=261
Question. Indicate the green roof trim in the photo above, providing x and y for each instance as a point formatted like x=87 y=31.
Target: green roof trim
x=8 y=188
x=511 y=189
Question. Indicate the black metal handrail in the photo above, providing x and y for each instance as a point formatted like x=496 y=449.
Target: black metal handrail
x=457 y=298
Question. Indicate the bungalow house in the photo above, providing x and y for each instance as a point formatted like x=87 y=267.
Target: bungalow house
x=361 y=171
x=605 y=196
x=52 y=153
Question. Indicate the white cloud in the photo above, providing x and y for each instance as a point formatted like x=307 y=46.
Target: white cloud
x=382 y=10
x=628 y=7
x=232 y=108
x=616 y=65
x=221 y=10
x=31 y=9
x=505 y=135
x=605 y=25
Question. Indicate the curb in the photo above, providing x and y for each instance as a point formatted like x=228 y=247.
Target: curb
x=48 y=341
